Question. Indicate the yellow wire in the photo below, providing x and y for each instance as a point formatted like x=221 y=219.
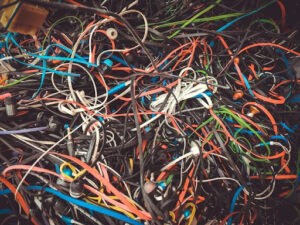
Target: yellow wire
x=79 y=174
x=72 y=168
x=112 y=207
x=91 y=199
x=131 y=164
x=192 y=213
x=172 y=214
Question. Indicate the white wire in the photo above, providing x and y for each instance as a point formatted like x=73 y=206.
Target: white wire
x=187 y=155
x=48 y=151
x=127 y=49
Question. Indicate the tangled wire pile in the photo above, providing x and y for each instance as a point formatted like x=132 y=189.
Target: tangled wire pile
x=151 y=112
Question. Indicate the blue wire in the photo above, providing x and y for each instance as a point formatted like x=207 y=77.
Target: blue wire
x=5 y=192
x=86 y=205
x=46 y=57
x=69 y=51
x=229 y=120
x=246 y=131
x=243 y=16
x=286 y=62
x=287 y=127
x=80 y=203
x=201 y=96
x=116 y=89
x=42 y=80
x=5 y=211
x=38 y=67
x=116 y=58
x=234 y=199
x=297 y=182
x=212 y=43
x=247 y=83
x=57 y=168
x=279 y=137
x=228 y=127
x=295 y=99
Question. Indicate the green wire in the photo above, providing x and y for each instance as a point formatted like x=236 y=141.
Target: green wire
x=298 y=212
x=202 y=125
x=194 y=17
x=266 y=21
x=249 y=144
x=232 y=147
x=201 y=71
x=169 y=179
x=298 y=162
x=289 y=107
x=57 y=22
x=18 y=81
x=206 y=19
x=239 y=130
x=244 y=124
x=183 y=104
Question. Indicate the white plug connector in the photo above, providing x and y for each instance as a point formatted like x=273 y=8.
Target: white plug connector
x=195 y=149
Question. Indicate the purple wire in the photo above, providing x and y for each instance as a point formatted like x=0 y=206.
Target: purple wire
x=28 y=130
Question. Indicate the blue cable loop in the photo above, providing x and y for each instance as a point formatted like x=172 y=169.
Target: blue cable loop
x=38 y=67
x=46 y=57
x=234 y=199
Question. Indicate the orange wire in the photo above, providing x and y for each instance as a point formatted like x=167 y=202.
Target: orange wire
x=107 y=184
x=283 y=14
x=268 y=44
x=94 y=191
x=102 y=15
x=19 y=198
x=280 y=99
x=278 y=177
x=269 y=115
x=185 y=187
x=235 y=141
x=254 y=216
x=227 y=217
x=283 y=194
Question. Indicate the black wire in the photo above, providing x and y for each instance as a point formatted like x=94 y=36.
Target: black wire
x=148 y=202
x=9 y=4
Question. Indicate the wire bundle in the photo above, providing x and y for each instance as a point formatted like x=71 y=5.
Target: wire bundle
x=151 y=112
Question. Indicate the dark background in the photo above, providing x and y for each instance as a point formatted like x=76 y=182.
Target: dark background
x=292 y=12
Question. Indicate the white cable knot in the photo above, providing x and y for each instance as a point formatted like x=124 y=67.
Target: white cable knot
x=183 y=91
